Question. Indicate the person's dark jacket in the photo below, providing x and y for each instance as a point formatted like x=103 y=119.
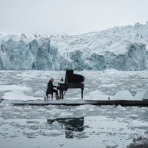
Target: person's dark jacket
x=50 y=87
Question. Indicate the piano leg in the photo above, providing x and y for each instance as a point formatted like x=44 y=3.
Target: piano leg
x=61 y=94
x=82 y=93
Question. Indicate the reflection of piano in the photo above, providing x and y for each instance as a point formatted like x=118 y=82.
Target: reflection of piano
x=71 y=124
x=71 y=81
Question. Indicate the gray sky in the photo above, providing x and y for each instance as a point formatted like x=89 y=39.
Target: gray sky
x=69 y=16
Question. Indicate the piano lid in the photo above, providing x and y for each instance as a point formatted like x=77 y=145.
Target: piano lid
x=70 y=77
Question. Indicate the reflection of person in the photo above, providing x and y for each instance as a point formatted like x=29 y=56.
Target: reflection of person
x=71 y=124
x=50 y=89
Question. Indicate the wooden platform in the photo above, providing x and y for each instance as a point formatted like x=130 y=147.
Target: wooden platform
x=78 y=102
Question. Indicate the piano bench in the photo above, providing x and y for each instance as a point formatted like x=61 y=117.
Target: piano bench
x=51 y=95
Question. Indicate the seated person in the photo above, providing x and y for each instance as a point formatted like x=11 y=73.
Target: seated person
x=50 y=89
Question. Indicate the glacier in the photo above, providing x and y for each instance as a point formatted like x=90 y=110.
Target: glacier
x=122 y=48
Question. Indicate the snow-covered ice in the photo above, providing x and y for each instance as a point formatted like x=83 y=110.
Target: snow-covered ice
x=14 y=87
x=138 y=124
x=18 y=95
x=122 y=48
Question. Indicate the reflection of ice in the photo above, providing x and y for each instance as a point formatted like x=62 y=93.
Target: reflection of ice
x=52 y=133
x=71 y=124
x=111 y=145
x=36 y=122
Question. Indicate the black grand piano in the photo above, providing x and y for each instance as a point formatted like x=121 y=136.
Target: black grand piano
x=71 y=81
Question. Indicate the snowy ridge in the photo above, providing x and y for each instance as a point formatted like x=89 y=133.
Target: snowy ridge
x=122 y=48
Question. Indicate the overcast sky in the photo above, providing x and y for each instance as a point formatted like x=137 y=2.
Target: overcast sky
x=69 y=16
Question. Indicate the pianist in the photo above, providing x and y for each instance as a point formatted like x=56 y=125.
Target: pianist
x=50 y=89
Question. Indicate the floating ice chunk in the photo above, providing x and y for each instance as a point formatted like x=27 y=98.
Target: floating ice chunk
x=112 y=145
x=29 y=132
x=17 y=108
x=91 y=109
x=81 y=135
x=121 y=107
x=85 y=108
x=141 y=137
x=2 y=105
x=61 y=144
x=123 y=95
x=132 y=116
x=56 y=124
x=41 y=110
x=27 y=108
x=65 y=115
x=52 y=133
x=108 y=85
x=138 y=124
x=36 y=122
x=140 y=142
x=82 y=107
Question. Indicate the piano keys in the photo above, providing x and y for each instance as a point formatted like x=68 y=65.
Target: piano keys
x=71 y=81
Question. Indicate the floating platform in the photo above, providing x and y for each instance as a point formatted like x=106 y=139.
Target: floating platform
x=78 y=102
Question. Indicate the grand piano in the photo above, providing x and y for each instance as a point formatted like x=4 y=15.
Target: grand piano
x=71 y=81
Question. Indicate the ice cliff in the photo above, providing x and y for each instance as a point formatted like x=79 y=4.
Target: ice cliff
x=121 y=48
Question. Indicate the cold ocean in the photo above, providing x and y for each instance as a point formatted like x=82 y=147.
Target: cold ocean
x=54 y=126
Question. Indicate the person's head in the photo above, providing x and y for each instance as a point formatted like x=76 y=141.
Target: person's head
x=52 y=79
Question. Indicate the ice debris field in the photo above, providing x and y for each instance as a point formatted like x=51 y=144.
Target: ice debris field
x=54 y=126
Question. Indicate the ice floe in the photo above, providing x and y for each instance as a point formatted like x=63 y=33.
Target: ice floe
x=14 y=87
x=52 y=133
x=132 y=116
x=108 y=85
x=65 y=115
x=18 y=95
x=31 y=121
x=111 y=145
x=29 y=132
x=138 y=124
